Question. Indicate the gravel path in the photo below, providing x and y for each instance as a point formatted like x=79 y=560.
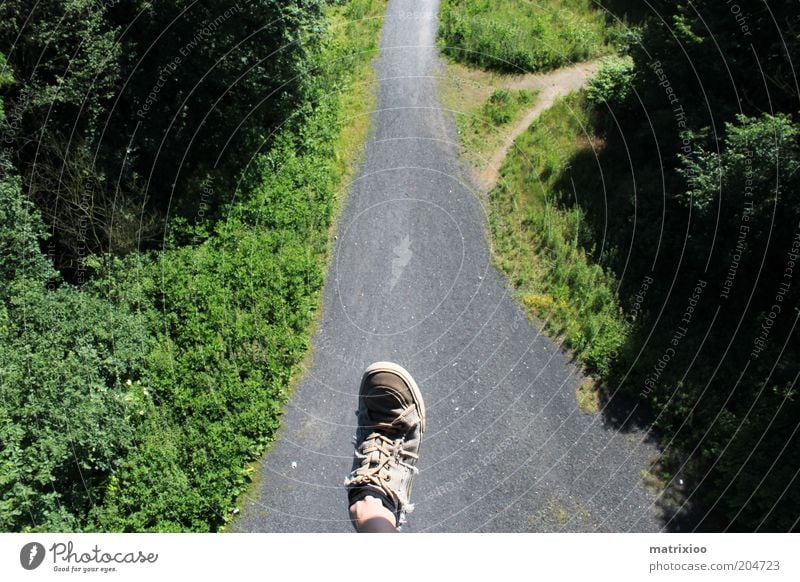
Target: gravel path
x=411 y=280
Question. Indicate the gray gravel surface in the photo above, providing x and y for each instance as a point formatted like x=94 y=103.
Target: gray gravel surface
x=411 y=280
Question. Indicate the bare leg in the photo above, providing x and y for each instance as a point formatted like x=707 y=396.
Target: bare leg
x=370 y=516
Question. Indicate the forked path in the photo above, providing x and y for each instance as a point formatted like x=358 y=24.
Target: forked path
x=411 y=280
x=548 y=87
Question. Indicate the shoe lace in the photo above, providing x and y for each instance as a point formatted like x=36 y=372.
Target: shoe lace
x=378 y=453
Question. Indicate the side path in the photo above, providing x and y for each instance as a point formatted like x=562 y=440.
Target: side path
x=411 y=280
x=549 y=86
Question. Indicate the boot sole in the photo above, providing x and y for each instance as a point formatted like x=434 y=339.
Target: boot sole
x=403 y=373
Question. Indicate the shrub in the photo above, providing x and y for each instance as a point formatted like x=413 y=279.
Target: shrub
x=21 y=229
x=127 y=106
x=750 y=143
x=613 y=83
x=71 y=400
x=235 y=313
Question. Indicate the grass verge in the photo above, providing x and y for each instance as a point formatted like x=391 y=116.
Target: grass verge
x=482 y=131
x=588 y=397
x=485 y=108
x=539 y=236
x=357 y=28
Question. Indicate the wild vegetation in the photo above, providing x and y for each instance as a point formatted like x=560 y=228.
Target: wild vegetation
x=523 y=37
x=653 y=222
x=137 y=381
x=544 y=243
x=480 y=129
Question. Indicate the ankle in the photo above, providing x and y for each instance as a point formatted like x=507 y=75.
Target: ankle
x=369 y=515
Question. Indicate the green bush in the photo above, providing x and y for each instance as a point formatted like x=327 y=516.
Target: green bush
x=71 y=369
x=497 y=108
x=502 y=106
x=71 y=398
x=21 y=229
x=613 y=83
x=127 y=106
x=750 y=143
x=234 y=314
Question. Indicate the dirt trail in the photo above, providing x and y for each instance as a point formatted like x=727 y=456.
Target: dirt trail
x=549 y=86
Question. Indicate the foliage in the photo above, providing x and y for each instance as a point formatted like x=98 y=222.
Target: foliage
x=234 y=313
x=503 y=105
x=67 y=54
x=70 y=379
x=145 y=99
x=6 y=78
x=703 y=196
x=20 y=232
x=71 y=397
x=208 y=85
x=751 y=145
x=613 y=82
x=70 y=388
x=521 y=36
x=174 y=366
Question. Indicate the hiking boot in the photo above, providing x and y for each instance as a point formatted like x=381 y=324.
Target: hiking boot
x=391 y=420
